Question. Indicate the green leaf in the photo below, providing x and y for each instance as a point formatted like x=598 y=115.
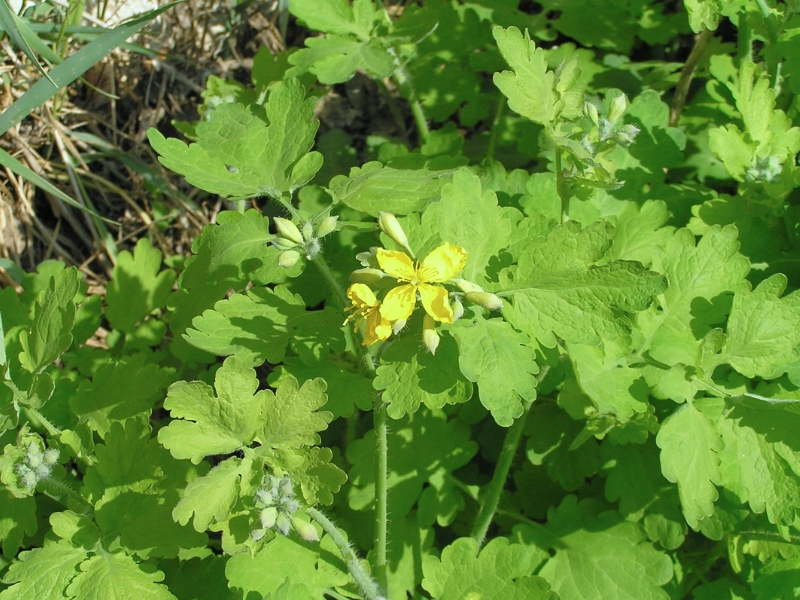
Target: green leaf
x=291 y=418
x=50 y=332
x=43 y=573
x=137 y=288
x=602 y=556
x=239 y=155
x=558 y=289
x=318 y=477
x=373 y=188
x=690 y=447
x=118 y=391
x=472 y=219
x=338 y=16
x=756 y=465
x=197 y=578
x=763 y=330
x=204 y=423
x=17 y=520
x=315 y=334
x=346 y=390
x=77 y=529
x=778 y=580
x=501 y=361
x=335 y=58
x=117 y=576
x=420 y=445
x=410 y=376
x=703 y=14
x=499 y=572
x=639 y=231
x=253 y=327
x=698 y=275
x=318 y=568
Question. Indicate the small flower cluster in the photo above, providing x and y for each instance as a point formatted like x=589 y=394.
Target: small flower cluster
x=36 y=465
x=766 y=169
x=416 y=281
x=307 y=240
x=278 y=509
x=607 y=127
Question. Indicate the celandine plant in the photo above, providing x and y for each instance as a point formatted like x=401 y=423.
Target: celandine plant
x=545 y=352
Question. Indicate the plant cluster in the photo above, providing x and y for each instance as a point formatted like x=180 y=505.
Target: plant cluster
x=537 y=345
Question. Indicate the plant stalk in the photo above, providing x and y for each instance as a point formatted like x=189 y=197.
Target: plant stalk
x=562 y=193
x=381 y=489
x=403 y=81
x=369 y=588
x=687 y=74
x=327 y=274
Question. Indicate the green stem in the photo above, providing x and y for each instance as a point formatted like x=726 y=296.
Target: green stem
x=327 y=274
x=687 y=74
x=560 y=186
x=381 y=489
x=697 y=575
x=504 y=462
x=501 y=105
x=403 y=81
x=51 y=429
x=57 y=489
x=369 y=588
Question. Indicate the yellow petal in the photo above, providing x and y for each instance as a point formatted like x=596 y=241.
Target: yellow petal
x=361 y=296
x=377 y=328
x=434 y=299
x=399 y=303
x=396 y=264
x=444 y=263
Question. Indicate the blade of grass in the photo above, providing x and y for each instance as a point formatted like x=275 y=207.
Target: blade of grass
x=10 y=22
x=73 y=67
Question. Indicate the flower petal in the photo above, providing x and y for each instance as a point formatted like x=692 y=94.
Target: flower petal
x=377 y=328
x=444 y=263
x=361 y=296
x=399 y=303
x=434 y=299
x=396 y=264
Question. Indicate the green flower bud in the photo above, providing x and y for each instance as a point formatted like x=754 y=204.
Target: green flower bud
x=51 y=456
x=288 y=259
x=485 y=299
x=268 y=516
x=308 y=230
x=391 y=227
x=257 y=534
x=283 y=523
x=367 y=276
x=283 y=244
x=429 y=336
x=590 y=110
x=327 y=226
x=458 y=309
x=467 y=286
x=305 y=530
x=288 y=230
x=617 y=108
x=398 y=326
x=312 y=248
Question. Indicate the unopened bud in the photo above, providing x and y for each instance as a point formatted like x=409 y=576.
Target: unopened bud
x=367 y=276
x=429 y=336
x=313 y=247
x=626 y=134
x=283 y=244
x=590 y=110
x=268 y=516
x=391 y=227
x=458 y=309
x=288 y=230
x=51 y=456
x=283 y=523
x=308 y=230
x=398 y=326
x=305 y=530
x=257 y=534
x=617 y=108
x=328 y=225
x=485 y=299
x=288 y=259
x=467 y=286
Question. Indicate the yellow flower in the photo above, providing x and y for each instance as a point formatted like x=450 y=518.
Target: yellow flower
x=439 y=266
x=367 y=308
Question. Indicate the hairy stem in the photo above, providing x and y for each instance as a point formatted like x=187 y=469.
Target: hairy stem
x=35 y=415
x=369 y=588
x=327 y=274
x=562 y=193
x=504 y=461
x=403 y=81
x=687 y=74
x=381 y=489
x=61 y=492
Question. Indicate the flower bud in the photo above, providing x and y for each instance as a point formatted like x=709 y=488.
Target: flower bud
x=429 y=336
x=265 y=497
x=285 y=487
x=458 y=309
x=268 y=516
x=305 y=530
x=288 y=230
x=617 y=108
x=467 y=286
x=288 y=259
x=398 y=326
x=367 y=276
x=590 y=110
x=485 y=299
x=257 y=534
x=626 y=134
x=51 y=456
x=328 y=225
x=391 y=227
x=283 y=523
x=308 y=230
x=282 y=243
